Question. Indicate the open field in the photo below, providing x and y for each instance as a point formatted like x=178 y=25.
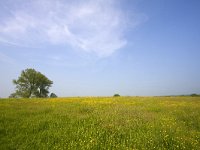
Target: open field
x=119 y=123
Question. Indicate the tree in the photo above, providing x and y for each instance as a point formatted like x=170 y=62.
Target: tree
x=53 y=95
x=32 y=84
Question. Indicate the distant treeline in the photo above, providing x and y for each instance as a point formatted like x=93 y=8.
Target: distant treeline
x=192 y=95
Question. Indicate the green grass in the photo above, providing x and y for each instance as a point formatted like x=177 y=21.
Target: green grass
x=119 y=123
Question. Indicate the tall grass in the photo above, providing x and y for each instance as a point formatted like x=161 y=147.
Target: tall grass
x=119 y=123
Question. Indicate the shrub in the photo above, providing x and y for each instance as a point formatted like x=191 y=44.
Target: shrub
x=116 y=95
x=53 y=95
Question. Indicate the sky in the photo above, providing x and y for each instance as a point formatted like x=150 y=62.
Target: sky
x=102 y=47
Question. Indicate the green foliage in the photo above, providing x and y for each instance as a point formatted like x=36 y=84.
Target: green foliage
x=116 y=95
x=162 y=123
x=31 y=84
x=53 y=95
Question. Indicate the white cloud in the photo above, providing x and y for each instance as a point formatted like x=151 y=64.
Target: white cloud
x=92 y=26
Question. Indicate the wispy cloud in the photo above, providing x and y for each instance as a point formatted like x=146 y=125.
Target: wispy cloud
x=93 y=26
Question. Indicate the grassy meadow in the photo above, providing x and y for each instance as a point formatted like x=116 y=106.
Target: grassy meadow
x=103 y=123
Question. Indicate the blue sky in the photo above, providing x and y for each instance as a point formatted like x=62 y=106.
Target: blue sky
x=102 y=47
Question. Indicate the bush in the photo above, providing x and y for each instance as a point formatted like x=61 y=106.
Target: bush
x=13 y=95
x=116 y=95
x=53 y=95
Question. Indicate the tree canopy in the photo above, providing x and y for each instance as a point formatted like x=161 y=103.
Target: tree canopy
x=31 y=83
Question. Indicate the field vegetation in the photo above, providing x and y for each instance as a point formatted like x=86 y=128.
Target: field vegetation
x=120 y=123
